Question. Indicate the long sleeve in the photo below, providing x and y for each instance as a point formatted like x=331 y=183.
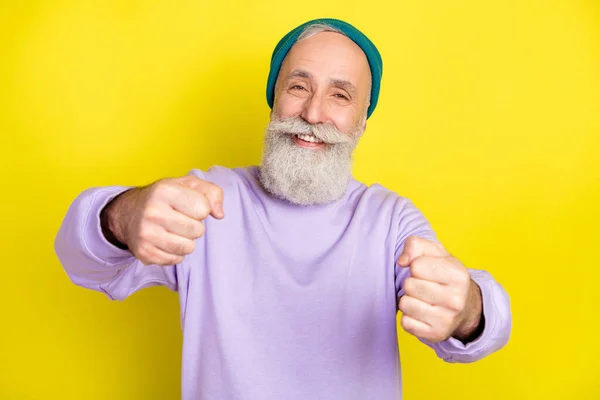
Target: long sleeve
x=497 y=329
x=496 y=304
x=94 y=263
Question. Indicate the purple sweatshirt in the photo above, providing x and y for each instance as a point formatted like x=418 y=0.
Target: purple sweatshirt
x=280 y=301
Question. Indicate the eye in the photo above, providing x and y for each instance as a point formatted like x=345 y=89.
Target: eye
x=298 y=87
x=340 y=96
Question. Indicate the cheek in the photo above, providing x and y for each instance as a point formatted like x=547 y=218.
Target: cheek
x=344 y=121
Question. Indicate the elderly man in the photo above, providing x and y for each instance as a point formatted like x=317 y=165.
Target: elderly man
x=290 y=274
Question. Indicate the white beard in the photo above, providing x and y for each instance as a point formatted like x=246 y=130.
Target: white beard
x=306 y=176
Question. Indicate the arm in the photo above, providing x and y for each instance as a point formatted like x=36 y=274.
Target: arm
x=497 y=325
x=481 y=318
x=91 y=261
x=118 y=241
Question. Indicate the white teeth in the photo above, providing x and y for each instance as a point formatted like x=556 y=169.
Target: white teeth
x=309 y=138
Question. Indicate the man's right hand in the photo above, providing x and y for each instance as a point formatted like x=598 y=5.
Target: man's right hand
x=160 y=222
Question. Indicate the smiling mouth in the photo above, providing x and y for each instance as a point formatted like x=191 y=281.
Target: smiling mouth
x=308 y=138
x=308 y=141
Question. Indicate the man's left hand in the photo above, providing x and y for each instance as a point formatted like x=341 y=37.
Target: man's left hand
x=440 y=298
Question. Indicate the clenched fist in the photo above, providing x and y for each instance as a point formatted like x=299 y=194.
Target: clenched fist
x=440 y=298
x=160 y=222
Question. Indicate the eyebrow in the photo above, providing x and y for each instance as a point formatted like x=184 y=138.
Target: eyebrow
x=339 y=83
x=300 y=73
x=342 y=84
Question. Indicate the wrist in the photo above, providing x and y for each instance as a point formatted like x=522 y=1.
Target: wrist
x=473 y=324
x=112 y=223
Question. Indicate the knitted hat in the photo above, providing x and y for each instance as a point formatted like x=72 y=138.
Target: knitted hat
x=373 y=56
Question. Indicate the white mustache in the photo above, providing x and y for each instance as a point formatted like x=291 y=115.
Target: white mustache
x=325 y=132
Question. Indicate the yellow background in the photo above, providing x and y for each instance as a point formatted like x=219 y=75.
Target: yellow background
x=489 y=120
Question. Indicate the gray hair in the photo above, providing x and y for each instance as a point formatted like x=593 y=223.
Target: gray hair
x=313 y=29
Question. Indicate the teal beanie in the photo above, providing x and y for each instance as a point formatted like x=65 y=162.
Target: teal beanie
x=285 y=44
